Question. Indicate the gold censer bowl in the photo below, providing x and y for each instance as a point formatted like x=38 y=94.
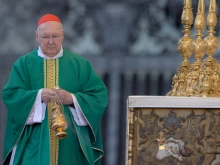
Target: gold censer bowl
x=59 y=124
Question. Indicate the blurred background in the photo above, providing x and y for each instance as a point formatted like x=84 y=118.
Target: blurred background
x=132 y=44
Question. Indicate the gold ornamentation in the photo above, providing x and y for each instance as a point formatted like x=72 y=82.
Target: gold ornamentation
x=200 y=79
x=49 y=75
x=58 y=123
x=187 y=136
x=185 y=49
x=209 y=71
x=56 y=120
x=192 y=80
x=208 y=77
x=199 y=50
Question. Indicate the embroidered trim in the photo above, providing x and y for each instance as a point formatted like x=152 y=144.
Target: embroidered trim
x=79 y=140
x=99 y=151
x=92 y=132
x=86 y=120
x=51 y=80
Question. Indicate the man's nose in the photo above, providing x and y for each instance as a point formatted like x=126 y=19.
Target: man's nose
x=51 y=40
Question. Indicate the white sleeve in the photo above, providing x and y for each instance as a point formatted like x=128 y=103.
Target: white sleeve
x=38 y=112
x=77 y=114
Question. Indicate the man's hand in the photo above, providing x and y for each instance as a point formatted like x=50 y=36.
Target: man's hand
x=64 y=96
x=47 y=95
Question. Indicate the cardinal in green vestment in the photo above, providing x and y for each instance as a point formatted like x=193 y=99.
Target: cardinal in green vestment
x=29 y=138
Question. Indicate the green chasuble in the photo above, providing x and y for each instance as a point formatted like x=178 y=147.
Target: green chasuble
x=83 y=145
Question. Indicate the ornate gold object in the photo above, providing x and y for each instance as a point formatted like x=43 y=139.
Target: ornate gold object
x=209 y=79
x=199 y=48
x=211 y=40
x=201 y=78
x=192 y=80
x=185 y=49
x=58 y=123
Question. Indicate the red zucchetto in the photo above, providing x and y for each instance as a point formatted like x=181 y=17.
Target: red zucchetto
x=48 y=17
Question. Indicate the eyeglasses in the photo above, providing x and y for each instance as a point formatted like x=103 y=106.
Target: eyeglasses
x=54 y=37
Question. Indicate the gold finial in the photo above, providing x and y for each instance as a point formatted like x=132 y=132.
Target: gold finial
x=212 y=18
x=187 y=15
x=212 y=6
x=200 y=22
x=199 y=50
x=185 y=49
x=201 y=6
x=184 y=3
x=199 y=46
x=211 y=40
x=209 y=81
x=187 y=3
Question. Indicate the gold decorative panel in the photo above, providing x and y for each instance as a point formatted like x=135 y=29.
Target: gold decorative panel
x=185 y=133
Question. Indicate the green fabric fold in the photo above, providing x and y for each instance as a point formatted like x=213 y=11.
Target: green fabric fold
x=19 y=100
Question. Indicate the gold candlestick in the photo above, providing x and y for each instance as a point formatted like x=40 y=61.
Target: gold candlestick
x=199 y=45
x=185 y=48
x=209 y=81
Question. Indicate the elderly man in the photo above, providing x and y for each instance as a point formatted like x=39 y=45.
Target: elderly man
x=41 y=79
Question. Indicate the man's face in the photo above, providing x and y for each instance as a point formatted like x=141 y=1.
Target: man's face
x=50 y=37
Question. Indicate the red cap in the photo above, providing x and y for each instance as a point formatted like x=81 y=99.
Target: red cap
x=48 y=17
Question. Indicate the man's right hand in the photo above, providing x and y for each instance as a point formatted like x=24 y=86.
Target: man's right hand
x=47 y=95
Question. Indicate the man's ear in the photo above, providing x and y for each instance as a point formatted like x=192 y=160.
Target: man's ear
x=37 y=36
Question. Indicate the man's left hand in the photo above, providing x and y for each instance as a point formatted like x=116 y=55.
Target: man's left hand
x=64 y=96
